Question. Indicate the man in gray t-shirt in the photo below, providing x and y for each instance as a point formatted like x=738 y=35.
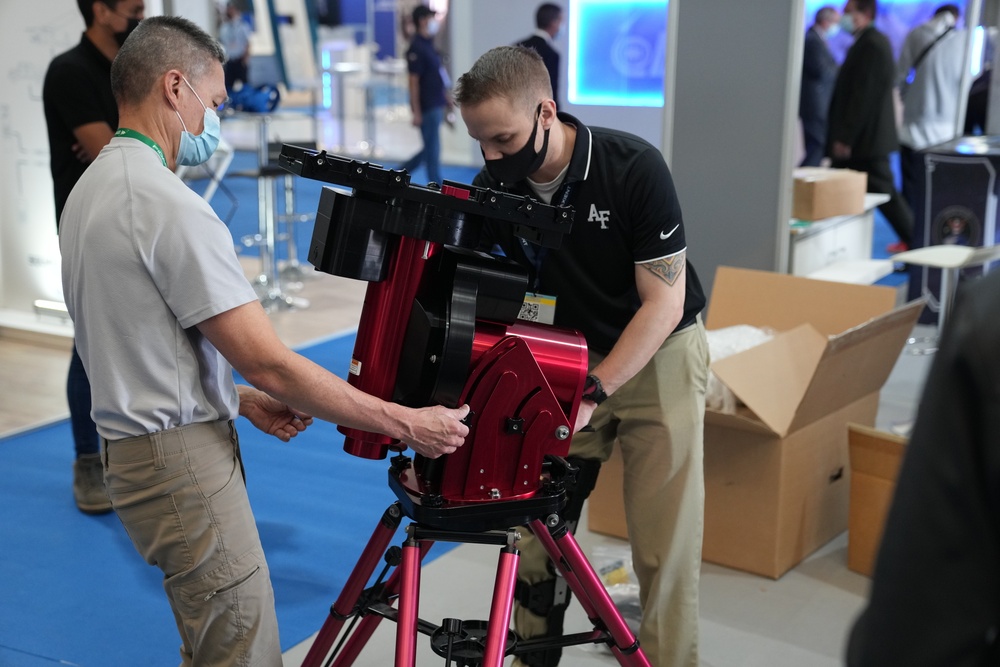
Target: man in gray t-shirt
x=163 y=314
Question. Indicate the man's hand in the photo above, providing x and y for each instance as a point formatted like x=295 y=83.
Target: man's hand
x=840 y=150
x=271 y=415
x=90 y=139
x=437 y=430
x=584 y=414
x=418 y=119
x=80 y=151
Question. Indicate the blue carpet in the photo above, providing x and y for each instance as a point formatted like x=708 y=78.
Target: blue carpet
x=75 y=591
x=235 y=202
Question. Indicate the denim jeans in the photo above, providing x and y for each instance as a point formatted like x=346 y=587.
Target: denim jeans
x=430 y=154
x=85 y=437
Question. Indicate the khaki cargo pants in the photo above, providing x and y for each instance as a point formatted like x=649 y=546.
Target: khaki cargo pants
x=657 y=418
x=181 y=496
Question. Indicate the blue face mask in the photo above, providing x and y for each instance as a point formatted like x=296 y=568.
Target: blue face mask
x=847 y=23
x=196 y=149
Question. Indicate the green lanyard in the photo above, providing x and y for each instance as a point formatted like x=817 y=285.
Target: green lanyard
x=126 y=132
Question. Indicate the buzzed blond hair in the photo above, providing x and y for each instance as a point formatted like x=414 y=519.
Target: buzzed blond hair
x=515 y=73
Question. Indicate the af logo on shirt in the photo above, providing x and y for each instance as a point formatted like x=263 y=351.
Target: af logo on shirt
x=602 y=217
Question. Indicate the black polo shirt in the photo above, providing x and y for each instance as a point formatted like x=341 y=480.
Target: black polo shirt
x=626 y=213
x=77 y=91
x=424 y=61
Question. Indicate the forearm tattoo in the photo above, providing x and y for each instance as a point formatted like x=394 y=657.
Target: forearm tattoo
x=668 y=269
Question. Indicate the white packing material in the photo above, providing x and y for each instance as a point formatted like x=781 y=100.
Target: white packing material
x=721 y=344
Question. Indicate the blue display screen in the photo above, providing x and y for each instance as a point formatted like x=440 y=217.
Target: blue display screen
x=617 y=52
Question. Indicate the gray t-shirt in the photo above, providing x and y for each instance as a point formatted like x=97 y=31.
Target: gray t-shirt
x=145 y=259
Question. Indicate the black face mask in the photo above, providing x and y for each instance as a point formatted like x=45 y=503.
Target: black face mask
x=120 y=37
x=514 y=168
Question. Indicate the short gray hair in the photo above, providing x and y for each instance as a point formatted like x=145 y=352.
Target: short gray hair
x=158 y=45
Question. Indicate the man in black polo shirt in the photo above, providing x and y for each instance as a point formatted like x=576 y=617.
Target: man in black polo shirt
x=429 y=95
x=622 y=278
x=81 y=116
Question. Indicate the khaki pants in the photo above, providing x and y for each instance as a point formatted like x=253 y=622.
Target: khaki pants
x=657 y=418
x=181 y=496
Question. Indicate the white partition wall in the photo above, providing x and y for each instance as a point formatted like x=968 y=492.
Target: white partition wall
x=30 y=35
x=734 y=106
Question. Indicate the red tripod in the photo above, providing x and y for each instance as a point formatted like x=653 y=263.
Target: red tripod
x=467 y=643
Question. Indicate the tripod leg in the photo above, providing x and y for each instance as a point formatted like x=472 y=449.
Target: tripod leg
x=409 y=596
x=367 y=626
x=582 y=580
x=362 y=572
x=503 y=602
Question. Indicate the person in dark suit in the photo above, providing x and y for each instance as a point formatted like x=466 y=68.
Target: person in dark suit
x=548 y=21
x=819 y=73
x=862 y=122
x=935 y=593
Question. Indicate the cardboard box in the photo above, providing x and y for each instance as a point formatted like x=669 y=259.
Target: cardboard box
x=776 y=473
x=820 y=193
x=875 y=460
x=606 y=507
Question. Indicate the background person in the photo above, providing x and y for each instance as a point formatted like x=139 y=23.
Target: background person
x=819 y=73
x=548 y=23
x=429 y=96
x=234 y=33
x=163 y=314
x=622 y=278
x=81 y=116
x=929 y=77
x=862 y=121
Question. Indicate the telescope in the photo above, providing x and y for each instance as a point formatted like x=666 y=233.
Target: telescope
x=441 y=325
x=440 y=322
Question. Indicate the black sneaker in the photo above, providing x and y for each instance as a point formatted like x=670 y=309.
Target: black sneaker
x=88 y=485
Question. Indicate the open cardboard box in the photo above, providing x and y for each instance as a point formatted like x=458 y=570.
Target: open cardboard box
x=875 y=460
x=776 y=473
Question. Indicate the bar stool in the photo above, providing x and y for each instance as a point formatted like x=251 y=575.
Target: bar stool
x=950 y=259
x=268 y=283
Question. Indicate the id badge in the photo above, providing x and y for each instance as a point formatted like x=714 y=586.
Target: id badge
x=539 y=308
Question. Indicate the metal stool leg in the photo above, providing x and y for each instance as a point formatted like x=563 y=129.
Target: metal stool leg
x=268 y=282
x=949 y=285
x=292 y=270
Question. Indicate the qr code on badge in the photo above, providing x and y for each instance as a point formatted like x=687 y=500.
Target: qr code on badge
x=529 y=312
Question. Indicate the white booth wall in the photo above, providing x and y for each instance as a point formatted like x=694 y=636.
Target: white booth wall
x=31 y=34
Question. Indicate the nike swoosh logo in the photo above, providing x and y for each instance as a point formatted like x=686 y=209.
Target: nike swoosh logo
x=666 y=235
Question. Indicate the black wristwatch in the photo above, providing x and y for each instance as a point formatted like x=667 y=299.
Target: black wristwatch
x=593 y=390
